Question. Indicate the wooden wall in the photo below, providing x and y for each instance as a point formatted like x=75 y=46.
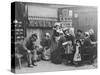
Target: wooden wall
x=42 y=11
x=87 y=18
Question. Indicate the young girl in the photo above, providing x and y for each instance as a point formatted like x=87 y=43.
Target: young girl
x=77 y=55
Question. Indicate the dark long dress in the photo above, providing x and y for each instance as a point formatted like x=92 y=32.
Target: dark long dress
x=87 y=51
x=59 y=53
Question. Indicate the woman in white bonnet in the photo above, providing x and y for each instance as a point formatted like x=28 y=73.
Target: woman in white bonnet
x=87 y=34
x=93 y=42
x=71 y=30
x=92 y=36
x=57 y=32
x=46 y=43
x=87 y=49
x=91 y=31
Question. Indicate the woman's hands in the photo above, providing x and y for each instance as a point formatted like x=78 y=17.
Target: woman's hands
x=28 y=51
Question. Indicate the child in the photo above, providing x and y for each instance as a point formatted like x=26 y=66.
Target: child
x=77 y=55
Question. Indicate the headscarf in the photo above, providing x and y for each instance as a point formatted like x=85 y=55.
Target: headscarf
x=87 y=34
x=91 y=31
x=47 y=34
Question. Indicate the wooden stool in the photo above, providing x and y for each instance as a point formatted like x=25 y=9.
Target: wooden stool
x=19 y=56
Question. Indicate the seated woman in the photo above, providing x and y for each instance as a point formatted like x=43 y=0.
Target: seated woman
x=93 y=42
x=46 y=43
x=87 y=49
x=92 y=36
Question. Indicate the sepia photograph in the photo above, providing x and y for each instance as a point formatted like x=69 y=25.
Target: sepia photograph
x=53 y=37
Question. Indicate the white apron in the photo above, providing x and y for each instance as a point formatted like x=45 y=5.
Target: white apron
x=77 y=56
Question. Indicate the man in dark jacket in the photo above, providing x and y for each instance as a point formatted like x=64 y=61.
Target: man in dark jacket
x=29 y=46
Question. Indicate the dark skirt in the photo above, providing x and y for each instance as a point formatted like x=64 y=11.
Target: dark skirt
x=57 y=55
x=88 y=53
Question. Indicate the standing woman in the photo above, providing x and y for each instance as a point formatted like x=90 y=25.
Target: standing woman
x=63 y=50
x=68 y=45
x=56 y=53
x=57 y=32
x=93 y=42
